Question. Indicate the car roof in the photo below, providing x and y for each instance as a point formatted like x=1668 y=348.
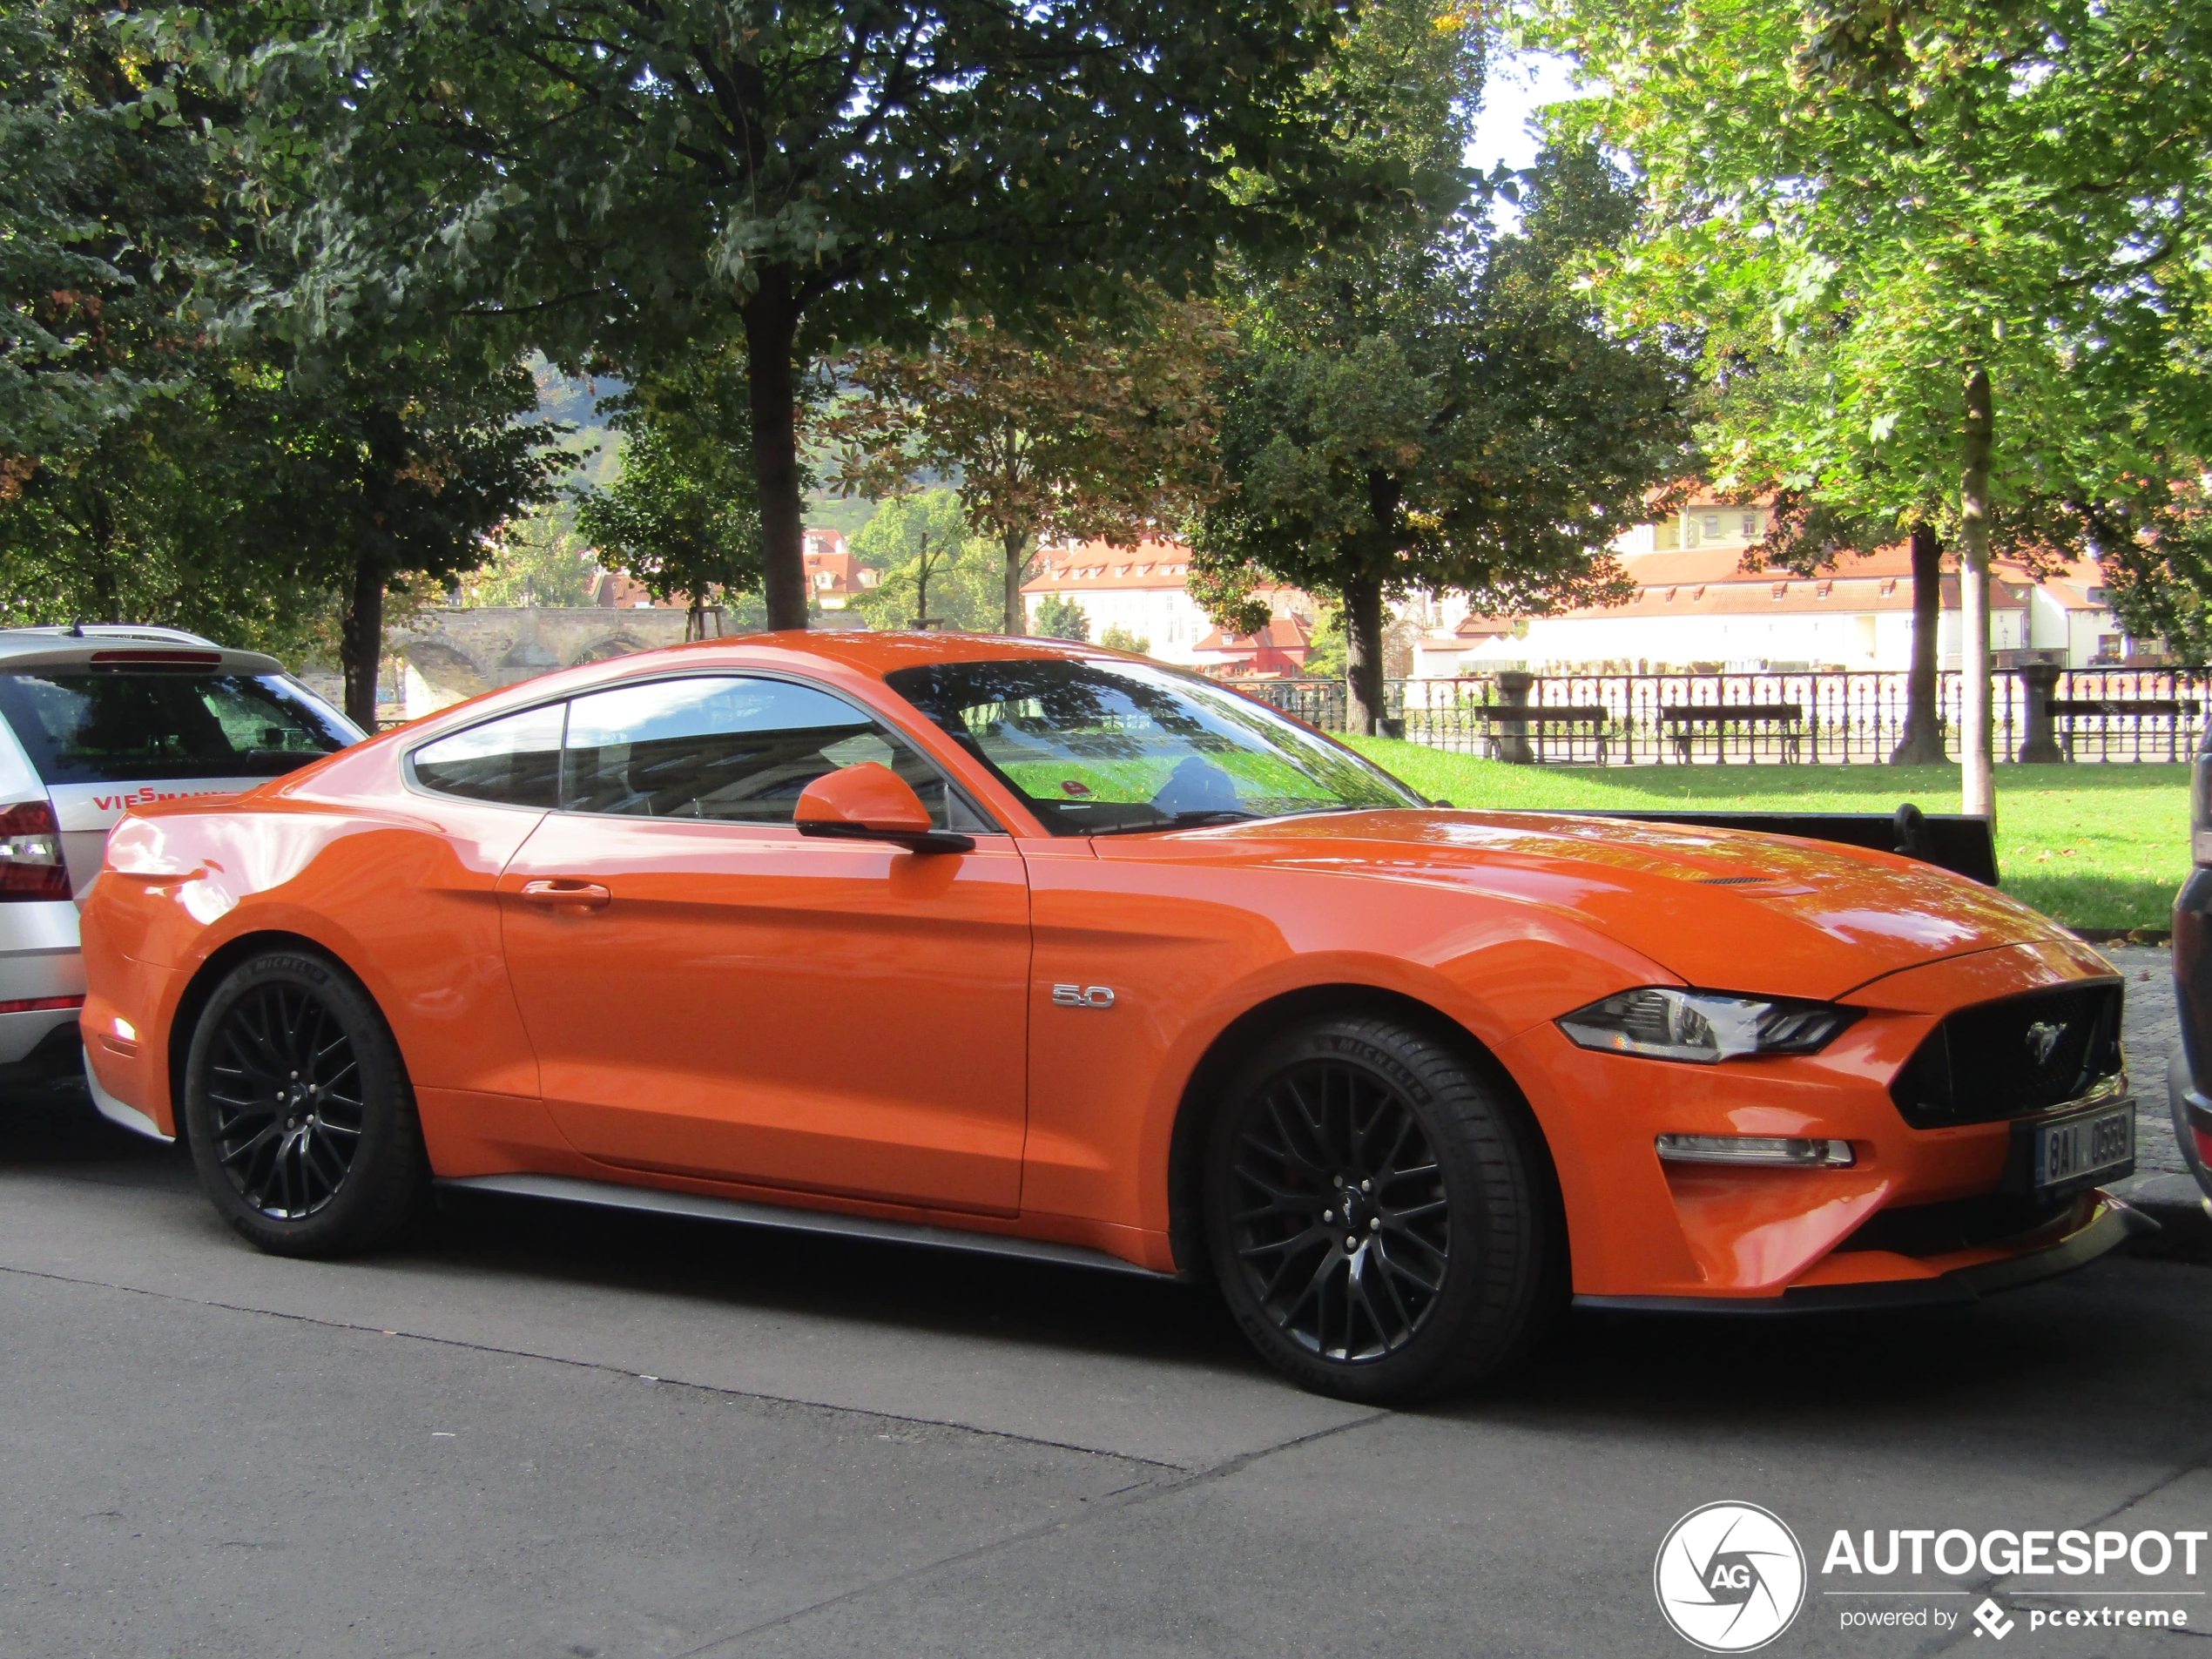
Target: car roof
x=122 y=646
x=866 y=652
x=881 y=653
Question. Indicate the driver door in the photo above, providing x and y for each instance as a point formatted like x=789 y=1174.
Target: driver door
x=711 y=993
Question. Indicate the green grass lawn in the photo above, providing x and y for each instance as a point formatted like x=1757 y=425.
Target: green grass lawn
x=2093 y=846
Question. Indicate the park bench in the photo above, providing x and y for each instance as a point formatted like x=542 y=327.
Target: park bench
x=1685 y=722
x=1534 y=722
x=2070 y=710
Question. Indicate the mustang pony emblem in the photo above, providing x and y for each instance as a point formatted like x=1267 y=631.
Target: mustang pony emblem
x=2043 y=1041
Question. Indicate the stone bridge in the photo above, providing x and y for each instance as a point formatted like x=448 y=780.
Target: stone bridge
x=450 y=655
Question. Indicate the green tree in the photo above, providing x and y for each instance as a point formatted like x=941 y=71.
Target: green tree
x=629 y=175
x=109 y=210
x=1445 y=410
x=541 y=558
x=1060 y=618
x=682 y=518
x=160 y=471
x=934 y=576
x=396 y=475
x=277 y=506
x=1093 y=428
x=1984 y=220
x=1117 y=637
x=127 y=454
x=142 y=520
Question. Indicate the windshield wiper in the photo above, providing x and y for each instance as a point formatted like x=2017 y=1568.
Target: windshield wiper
x=1184 y=820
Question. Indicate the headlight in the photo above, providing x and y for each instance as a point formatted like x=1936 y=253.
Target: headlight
x=1703 y=1026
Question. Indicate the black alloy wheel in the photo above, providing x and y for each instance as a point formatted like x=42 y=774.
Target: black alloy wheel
x=284 y=1097
x=303 y=1126
x=1345 y=1229
x=1380 y=1212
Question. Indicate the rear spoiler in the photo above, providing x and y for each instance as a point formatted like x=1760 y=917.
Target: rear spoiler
x=1950 y=840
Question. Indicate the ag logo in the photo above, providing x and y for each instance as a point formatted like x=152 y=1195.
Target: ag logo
x=1729 y=1577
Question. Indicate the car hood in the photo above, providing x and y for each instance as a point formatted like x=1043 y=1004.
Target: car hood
x=1731 y=909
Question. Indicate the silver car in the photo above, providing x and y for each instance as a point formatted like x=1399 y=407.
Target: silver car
x=95 y=721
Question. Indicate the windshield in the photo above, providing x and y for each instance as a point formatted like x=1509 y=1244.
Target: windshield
x=101 y=725
x=1094 y=747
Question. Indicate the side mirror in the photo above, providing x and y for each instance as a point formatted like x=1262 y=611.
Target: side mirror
x=870 y=802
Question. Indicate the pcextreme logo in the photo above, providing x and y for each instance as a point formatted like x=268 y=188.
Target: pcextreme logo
x=1729 y=1577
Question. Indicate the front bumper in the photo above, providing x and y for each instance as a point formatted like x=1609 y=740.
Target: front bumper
x=2101 y=1225
x=1914 y=1206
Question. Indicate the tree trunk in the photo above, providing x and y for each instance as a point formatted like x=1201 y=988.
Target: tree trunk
x=771 y=336
x=1922 y=743
x=360 y=640
x=1979 y=786
x=1017 y=561
x=1363 y=655
x=922 y=589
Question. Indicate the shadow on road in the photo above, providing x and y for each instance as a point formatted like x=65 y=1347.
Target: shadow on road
x=2130 y=1338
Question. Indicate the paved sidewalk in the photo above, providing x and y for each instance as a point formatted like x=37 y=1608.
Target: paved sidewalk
x=2152 y=1032
x=562 y=1436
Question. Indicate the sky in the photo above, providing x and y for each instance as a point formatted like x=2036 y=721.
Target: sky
x=1517 y=85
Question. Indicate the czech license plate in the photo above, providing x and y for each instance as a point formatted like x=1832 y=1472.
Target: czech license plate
x=2077 y=1152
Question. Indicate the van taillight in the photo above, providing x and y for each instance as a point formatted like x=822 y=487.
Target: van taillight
x=30 y=854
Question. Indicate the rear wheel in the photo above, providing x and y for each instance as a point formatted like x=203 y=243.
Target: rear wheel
x=301 y=1123
x=1379 y=1213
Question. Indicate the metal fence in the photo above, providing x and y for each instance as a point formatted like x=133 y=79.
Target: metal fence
x=2106 y=715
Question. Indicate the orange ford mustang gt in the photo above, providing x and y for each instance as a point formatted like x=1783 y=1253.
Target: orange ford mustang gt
x=1018 y=946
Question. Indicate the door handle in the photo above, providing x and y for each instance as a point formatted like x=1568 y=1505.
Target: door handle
x=564 y=891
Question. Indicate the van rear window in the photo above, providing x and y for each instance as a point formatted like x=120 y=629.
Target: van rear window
x=101 y=726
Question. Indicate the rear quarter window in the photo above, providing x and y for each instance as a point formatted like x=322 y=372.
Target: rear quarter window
x=105 y=725
x=514 y=761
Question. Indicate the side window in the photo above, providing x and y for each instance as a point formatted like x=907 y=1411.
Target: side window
x=735 y=750
x=515 y=762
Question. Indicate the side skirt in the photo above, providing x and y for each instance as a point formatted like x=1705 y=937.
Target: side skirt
x=701 y=1207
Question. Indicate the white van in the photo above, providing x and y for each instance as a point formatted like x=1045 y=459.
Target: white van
x=94 y=720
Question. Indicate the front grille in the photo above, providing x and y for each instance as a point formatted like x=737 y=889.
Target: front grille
x=2006 y=1059
x=1962 y=1223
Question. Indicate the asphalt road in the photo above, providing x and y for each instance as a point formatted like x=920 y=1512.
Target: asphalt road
x=539 y=1431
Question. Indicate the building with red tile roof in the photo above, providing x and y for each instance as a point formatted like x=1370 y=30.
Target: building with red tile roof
x=1141 y=589
x=1694 y=604
x=834 y=577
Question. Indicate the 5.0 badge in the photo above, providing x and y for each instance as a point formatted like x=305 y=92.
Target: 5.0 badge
x=1084 y=996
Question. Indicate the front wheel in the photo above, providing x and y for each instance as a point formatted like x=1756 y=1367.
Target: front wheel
x=1380 y=1214
x=303 y=1126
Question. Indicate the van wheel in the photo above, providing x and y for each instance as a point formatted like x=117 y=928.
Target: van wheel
x=303 y=1126
x=1380 y=1215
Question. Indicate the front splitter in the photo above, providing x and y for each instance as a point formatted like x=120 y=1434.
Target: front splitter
x=2112 y=1224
